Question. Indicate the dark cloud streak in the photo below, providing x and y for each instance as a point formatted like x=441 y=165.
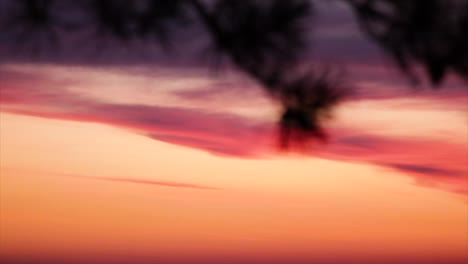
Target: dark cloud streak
x=146 y=182
x=427 y=170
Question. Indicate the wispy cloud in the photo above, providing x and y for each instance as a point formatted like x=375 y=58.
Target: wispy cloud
x=146 y=182
x=426 y=170
x=229 y=134
x=218 y=133
x=430 y=163
x=436 y=177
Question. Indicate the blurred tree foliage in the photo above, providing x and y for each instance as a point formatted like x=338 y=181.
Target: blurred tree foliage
x=264 y=39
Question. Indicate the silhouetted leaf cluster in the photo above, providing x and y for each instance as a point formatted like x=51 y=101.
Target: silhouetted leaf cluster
x=430 y=33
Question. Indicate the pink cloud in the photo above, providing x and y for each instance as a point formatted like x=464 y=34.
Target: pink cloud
x=431 y=163
x=218 y=133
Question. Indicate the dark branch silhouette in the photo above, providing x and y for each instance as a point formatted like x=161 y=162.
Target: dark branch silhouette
x=265 y=40
x=431 y=33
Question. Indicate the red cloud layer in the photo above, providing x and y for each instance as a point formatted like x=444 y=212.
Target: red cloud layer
x=228 y=134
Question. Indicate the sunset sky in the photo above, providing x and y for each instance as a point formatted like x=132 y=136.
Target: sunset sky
x=124 y=160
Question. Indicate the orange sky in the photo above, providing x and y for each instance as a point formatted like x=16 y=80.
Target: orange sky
x=89 y=174
x=55 y=200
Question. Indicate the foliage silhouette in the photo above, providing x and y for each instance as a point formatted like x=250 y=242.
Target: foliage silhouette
x=432 y=33
x=265 y=40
